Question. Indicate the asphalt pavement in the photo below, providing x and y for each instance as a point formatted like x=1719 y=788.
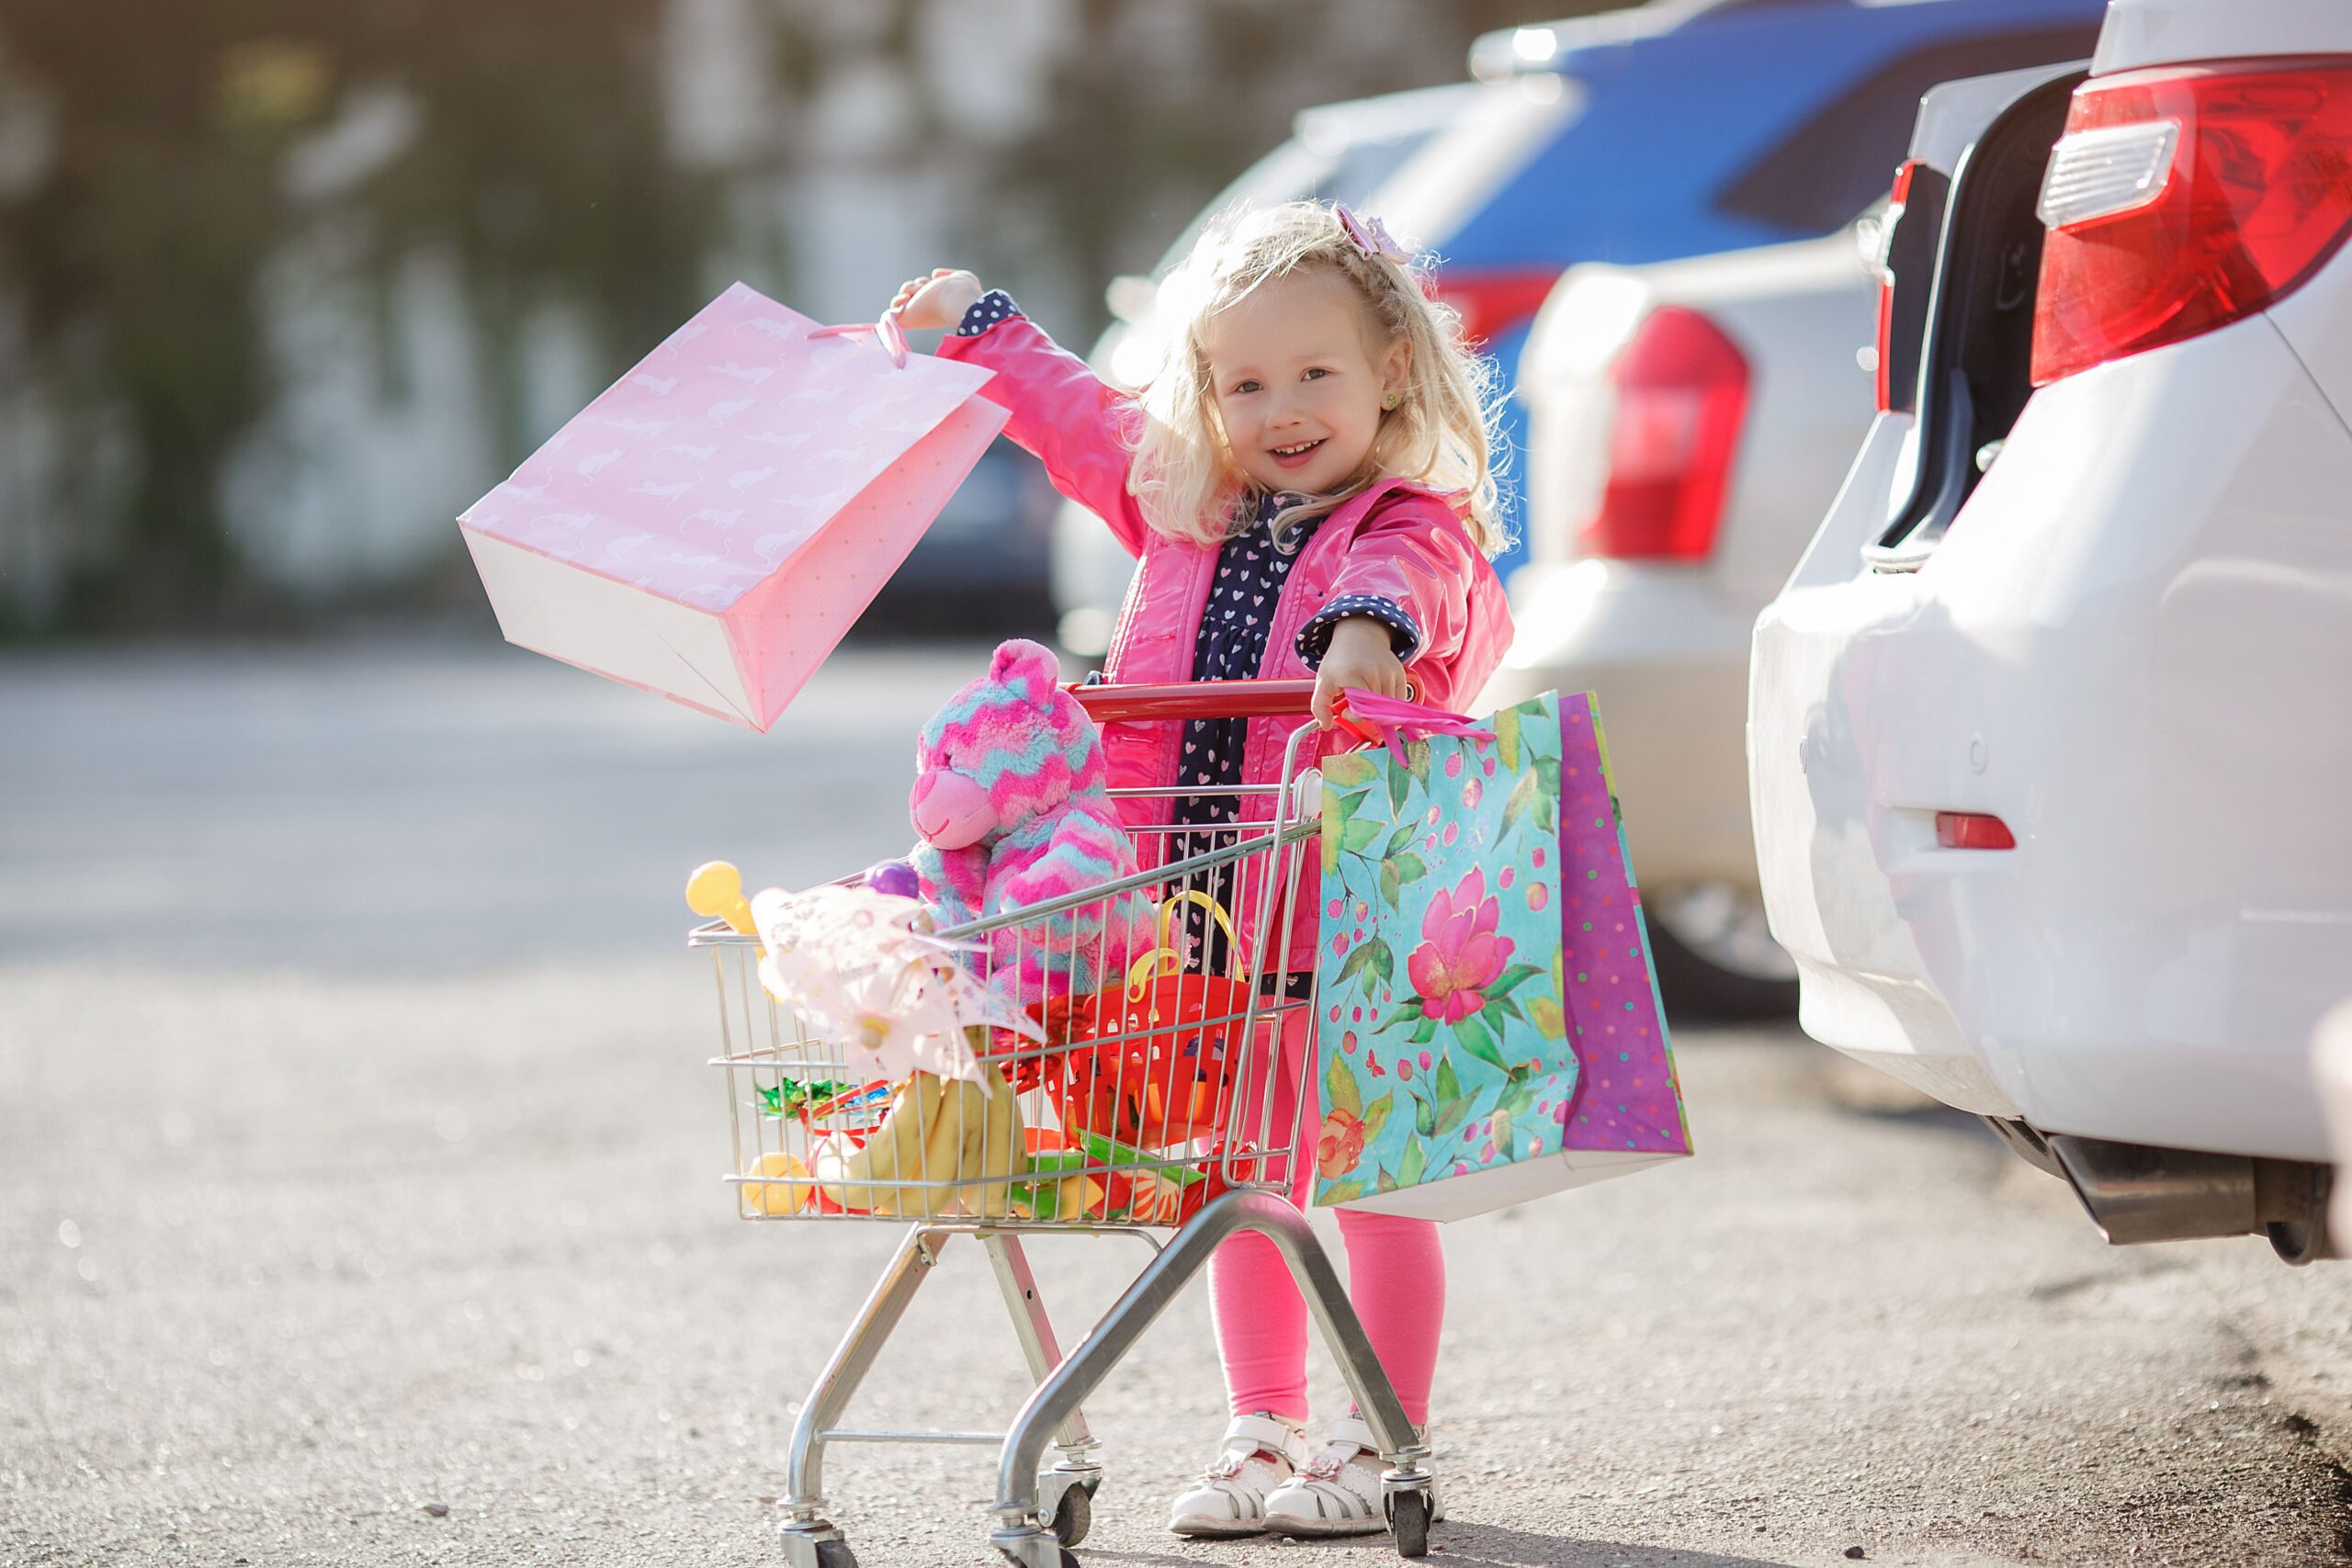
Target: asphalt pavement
x=360 y=1203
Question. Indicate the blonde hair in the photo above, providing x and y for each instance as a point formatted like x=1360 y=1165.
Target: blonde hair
x=1440 y=433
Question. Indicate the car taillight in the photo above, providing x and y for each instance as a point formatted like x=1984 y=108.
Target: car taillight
x=1973 y=831
x=1896 y=200
x=2182 y=199
x=1682 y=393
x=1493 y=300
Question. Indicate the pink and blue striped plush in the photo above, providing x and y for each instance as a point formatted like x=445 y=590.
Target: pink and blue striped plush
x=1026 y=742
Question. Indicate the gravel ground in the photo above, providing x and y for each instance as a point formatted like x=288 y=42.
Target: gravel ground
x=360 y=1205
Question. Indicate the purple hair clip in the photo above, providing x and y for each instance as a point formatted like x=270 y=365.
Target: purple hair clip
x=1371 y=236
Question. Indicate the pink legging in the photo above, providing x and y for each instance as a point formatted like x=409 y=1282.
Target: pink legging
x=1395 y=1278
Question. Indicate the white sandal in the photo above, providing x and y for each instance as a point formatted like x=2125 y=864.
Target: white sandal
x=1338 y=1492
x=1261 y=1452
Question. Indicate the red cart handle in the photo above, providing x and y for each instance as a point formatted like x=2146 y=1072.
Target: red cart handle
x=1197 y=699
x=1214 y=699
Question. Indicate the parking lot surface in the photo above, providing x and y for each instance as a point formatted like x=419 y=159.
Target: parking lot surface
x=360 y=1203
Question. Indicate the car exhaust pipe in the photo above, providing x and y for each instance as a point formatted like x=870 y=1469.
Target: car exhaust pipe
x=2135 y=1194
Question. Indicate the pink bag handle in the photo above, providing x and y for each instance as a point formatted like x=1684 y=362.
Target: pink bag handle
x=1372 y=718
x=894 y=337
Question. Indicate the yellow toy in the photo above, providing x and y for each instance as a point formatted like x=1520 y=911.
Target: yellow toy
x=779 y=1198
x=715 y=891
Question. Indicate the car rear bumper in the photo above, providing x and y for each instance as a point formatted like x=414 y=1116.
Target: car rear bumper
x=1669 y=659
x=2131 y=647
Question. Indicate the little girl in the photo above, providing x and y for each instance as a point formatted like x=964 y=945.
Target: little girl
x=1306 y=486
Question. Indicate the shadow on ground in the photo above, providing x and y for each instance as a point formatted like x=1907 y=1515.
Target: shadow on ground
x=1466 y=1545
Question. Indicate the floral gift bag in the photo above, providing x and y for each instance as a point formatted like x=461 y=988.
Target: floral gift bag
x=1489 y=1029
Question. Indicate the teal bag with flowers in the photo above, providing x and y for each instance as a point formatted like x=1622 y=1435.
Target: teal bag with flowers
x=1489 y=1028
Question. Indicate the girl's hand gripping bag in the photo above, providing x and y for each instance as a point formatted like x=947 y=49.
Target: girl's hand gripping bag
x=1490 y=1028
x=710 y=525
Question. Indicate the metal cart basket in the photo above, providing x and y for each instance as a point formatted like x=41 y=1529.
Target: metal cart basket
x=1143 y=1140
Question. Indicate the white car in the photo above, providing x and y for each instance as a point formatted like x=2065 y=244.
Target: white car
x=2050 y=735
x=1688 y=422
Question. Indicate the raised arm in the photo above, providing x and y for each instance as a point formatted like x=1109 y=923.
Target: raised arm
x=1060 y=411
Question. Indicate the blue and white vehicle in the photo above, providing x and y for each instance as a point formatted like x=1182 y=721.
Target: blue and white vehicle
x=1677 y=128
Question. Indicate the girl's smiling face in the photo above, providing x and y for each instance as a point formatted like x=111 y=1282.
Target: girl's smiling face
x=1298 y=384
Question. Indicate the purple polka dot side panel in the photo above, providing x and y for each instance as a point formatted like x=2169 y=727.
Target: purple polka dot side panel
x=1627 y=1098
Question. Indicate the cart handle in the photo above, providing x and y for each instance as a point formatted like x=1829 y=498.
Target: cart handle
x=1197 y=699
x=1214 y=699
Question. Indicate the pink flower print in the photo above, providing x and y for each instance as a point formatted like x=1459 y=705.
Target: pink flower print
x=1427 y=1061
x=1538 y=896
x=1339 y=1145
x=1470 y=794
x=1454 y=766
x=1460 y=955
x=1504 y=880
x=1405 y=1068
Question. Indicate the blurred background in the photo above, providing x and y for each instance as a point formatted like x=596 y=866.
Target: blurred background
x=284 y=287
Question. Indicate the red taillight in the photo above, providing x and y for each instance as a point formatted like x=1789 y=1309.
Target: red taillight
x=1682 y=394
x=2180 y=200
x=1493 y=300
x=1896 y=200
x=1973 y=831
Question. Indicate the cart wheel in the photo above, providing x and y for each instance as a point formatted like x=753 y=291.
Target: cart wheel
x=835 y=1554
x=1409 y=1516
x=1073 y=1516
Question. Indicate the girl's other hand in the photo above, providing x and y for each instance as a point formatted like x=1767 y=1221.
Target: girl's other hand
x=938 y=301
x=1360 y=655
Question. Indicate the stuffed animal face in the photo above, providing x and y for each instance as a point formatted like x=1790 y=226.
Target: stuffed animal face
x=1005 y=748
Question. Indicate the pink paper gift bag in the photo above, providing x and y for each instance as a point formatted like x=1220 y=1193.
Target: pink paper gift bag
x=709 y=527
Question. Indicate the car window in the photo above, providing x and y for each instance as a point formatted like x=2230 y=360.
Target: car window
x=1365 y=167
x=1293 y=171
x=1832 y=166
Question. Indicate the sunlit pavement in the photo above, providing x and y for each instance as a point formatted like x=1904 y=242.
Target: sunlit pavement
x=359 y=1203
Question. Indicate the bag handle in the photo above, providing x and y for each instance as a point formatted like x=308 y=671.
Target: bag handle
x=1140 y=973
x=1376 y=719
x=893 y=336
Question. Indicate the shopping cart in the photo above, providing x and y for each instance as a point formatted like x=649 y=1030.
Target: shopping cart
x=1217 y=1167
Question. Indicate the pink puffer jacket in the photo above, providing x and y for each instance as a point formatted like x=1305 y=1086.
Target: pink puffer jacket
x=1397 y=541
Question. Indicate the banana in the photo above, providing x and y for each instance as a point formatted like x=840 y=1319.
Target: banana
x=937 y=1131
